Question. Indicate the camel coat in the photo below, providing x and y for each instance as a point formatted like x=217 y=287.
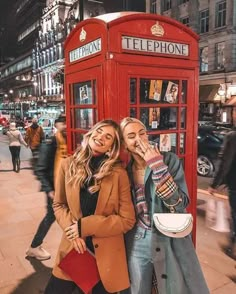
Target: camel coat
x=114 y=216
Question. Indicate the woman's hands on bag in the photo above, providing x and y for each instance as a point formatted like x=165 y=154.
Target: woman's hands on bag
x=79 y=245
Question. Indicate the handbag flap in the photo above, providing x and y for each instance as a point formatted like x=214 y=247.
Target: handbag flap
x=172 y=222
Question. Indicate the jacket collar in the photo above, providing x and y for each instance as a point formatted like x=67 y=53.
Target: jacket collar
x=103 y=196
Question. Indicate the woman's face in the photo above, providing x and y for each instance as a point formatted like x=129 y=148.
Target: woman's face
x=102 y=139
x=133 y=133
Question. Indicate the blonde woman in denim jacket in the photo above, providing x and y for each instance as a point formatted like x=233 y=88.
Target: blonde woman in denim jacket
x=157 y=263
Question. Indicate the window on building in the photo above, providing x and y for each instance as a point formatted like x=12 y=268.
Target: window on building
x=220 y=14
x=153 y=8
x=204 y=21
x=166 y=5
x=185 y=21
x=204 y=59
x=183 y=1
x=220 y=55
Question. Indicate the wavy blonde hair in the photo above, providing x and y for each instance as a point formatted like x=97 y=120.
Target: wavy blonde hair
x=80 y=171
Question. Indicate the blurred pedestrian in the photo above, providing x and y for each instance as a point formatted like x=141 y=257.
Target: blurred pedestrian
x=93 y=207
x=15 y=141
x=48 y=164
x=226 y=175
x=157 y=262
x=34 y=137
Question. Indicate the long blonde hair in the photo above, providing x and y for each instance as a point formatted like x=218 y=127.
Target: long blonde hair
x=80 y=171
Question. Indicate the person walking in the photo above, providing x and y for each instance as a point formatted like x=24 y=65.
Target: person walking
x=225 y=175
x=15 y=141
x=157 y=262
x=93 y=206
x=50 y=156
x=34 y=137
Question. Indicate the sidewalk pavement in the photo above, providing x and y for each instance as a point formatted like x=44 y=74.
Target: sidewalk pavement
x=22 y=208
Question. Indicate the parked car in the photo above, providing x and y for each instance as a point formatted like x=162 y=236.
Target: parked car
x=210 y=141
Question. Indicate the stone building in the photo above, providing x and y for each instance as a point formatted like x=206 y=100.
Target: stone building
x=33 y=82
x=215 y=22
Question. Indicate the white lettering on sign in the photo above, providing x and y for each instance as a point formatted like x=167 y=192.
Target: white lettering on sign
x=86 y=50
x=154 y=46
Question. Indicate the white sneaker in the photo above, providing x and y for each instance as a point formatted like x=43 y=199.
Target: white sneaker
x=39 y=253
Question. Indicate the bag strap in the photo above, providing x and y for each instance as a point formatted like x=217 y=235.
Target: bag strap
x=13 y=135
x=171 y=207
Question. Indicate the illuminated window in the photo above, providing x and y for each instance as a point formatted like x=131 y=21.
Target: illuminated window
x=204 y=59
x=220 y=55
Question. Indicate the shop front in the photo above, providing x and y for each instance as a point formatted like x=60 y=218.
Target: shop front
x=139 y=65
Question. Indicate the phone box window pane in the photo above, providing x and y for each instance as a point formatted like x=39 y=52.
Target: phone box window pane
x=184 y=92
x=77 y=139
x=170 y=91
x=133 y=112
x=133 y=90
x=182 y=143
x=84 y=118
x=168 y=118
x=150 y=117
x=165 y=142
x=183 y=118
x=83 y=93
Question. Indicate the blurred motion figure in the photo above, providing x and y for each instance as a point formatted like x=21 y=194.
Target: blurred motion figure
x=50 y=155
x=226 y=175
x=34 y=137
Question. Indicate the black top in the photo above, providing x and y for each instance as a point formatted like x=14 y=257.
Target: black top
x=88 y=201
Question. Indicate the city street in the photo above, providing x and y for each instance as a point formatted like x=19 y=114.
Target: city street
x=22 y=208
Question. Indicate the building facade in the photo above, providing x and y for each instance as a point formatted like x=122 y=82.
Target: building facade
x=16 y=79
x=215 y=22
x=32 y=83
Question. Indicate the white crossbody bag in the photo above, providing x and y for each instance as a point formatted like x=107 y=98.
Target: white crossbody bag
x=175 y=225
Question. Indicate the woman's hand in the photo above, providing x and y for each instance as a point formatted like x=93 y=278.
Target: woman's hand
x=72 y=231
x=147 y=151
x=79 y=245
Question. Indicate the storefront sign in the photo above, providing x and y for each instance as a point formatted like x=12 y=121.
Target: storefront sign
x=154 y=46
x=86 y=50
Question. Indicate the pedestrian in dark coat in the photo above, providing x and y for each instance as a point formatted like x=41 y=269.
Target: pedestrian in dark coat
x=226 y=175
x=50 y=155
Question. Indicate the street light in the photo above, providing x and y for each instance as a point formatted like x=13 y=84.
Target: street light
x=14 y=103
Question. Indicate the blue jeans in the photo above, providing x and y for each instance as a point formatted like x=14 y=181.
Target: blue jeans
x=139 y=254
x=45 y=224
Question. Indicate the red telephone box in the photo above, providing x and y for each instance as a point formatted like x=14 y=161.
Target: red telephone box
x=140 y=65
